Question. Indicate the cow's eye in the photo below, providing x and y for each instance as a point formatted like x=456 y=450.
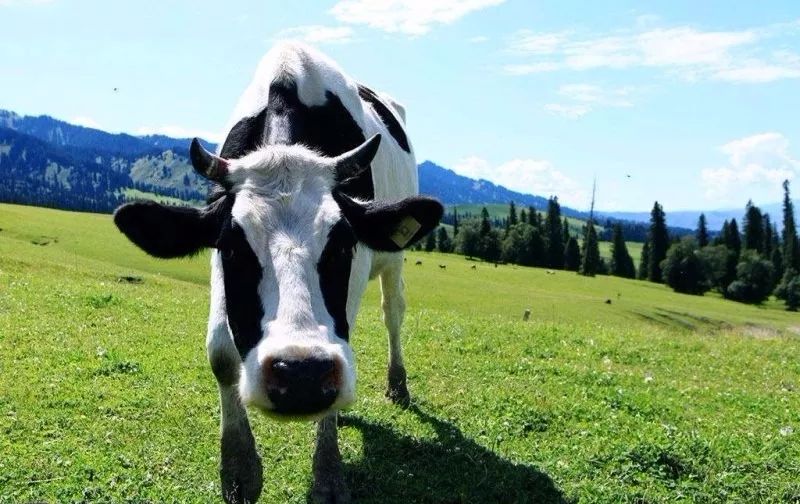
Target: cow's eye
x=227 y=253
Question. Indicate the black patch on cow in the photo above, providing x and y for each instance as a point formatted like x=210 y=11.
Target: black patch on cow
x=242 y=274
x=328 y=129
x=376 y=223
x=245 y=136
x=169 y=231
x=334 y=274
x=389 y=119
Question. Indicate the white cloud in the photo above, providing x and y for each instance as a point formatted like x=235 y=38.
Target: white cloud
x=530 y=176
x=174 y=131
x=583 y=98
x=318 y=34
x=86 y=121
x=410 y=17
x=757 y=162
x=736 y=56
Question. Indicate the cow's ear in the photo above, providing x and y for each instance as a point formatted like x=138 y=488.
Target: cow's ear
x=393 y=226
x=168 y=231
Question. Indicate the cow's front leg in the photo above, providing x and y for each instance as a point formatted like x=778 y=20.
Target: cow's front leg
x=394 y=309
x=329 y=486
x=240 y=467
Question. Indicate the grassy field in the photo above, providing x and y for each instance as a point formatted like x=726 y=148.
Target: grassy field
x=106 y=396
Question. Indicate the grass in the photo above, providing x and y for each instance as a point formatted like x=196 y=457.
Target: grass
x=656 y=397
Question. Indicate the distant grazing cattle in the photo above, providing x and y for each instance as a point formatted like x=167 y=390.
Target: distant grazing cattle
x=443 y=266
x=474 y=267
x=418 y=263
x=314 y=190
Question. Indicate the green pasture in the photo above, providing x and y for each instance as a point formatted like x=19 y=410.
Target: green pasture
x=614 y=390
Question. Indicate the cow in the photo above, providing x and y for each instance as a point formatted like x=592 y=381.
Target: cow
x=314 y=192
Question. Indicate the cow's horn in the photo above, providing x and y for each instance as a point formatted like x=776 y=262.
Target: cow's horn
x=352 y=162
x=206 y=164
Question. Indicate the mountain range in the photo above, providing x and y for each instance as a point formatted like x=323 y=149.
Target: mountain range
x=49 y=162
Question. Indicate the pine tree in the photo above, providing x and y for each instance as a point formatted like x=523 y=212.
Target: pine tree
x=733 y=240
x=443 y=242
x=720 y=239
x=702 y=231
x=753 y=228
x=572 y=255
x=455 y=222
x=523 y=217
x=659 y=243
x=766 y=246
x=512 y=215
x=533 y=218
x=791 y=247
x=590 y=253
x=565 y=229
x=553 y=235
x=486 y=223
x=621 y=260
x=430 y=242
x=644 y=262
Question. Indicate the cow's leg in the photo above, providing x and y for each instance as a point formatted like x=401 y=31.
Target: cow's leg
x=329 y=486
x=240 y=466
x=394 y=308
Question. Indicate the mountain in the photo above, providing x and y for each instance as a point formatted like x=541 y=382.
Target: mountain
x=714 y=218
x=454 y=189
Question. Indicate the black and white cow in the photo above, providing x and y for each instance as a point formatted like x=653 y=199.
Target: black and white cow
x=315 y=192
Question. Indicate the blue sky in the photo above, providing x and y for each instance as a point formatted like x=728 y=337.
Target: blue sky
x=695 y=104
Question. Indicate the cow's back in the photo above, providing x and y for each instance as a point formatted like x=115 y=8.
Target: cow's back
x=298 y=95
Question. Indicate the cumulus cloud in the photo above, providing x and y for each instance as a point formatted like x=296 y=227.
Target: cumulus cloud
x=757 y=162
x=735 y=56
x=318 y=34
x=174 y=131
x=530 y=176
x=410 y=17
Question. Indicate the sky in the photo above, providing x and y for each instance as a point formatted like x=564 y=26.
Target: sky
x=693 y=104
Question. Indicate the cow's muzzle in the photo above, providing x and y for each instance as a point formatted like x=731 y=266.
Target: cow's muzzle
x=301 y=386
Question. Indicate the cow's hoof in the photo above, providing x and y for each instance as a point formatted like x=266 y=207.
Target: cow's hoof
x=398 y=391
x=330 y=490
x=241 y=472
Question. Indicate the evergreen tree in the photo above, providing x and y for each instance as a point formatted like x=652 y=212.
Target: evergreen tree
x=732 y=238
x=753 y=228
x=486 y=223
x=766 y=246
x=644 y=262
x=791 y=247
x=702 y=231
x=659 y=242
x=455 y=222
x=443 y=242
x=430 y=242
x=491 y=246
x=523 y=216
x=554 y=235
x=565 y=228
x=590 y=253
x=720 y=239
x=621 y=260
x=572 y=255
x=512 y=215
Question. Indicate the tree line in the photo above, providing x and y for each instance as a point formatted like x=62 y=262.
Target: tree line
x=745 y=265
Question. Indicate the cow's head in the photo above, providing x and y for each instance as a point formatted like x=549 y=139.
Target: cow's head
x=283 y=239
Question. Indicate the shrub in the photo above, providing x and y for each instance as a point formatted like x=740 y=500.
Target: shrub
x=683 y=269
x=753 y=279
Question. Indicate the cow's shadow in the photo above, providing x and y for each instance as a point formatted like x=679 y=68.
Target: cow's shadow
x=448 y=469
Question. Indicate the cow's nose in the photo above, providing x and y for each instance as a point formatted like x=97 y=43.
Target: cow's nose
x=301 y=387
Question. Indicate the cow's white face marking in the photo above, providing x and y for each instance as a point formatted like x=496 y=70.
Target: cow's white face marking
x=284 y=206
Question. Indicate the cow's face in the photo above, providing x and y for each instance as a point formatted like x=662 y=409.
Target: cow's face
x=284 y=239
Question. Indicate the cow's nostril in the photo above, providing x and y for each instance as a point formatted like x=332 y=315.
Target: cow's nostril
x=301 y=386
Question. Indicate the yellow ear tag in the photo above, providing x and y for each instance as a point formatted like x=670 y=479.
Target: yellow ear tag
x=406 y=230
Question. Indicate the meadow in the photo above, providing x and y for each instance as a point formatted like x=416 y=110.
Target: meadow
x=614 y=391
